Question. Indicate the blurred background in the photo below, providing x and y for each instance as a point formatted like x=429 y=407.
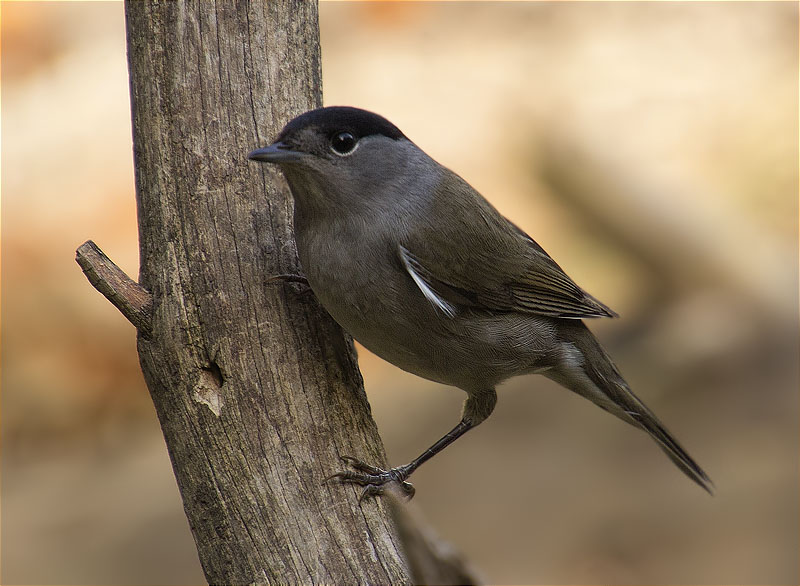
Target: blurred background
x=650 y=148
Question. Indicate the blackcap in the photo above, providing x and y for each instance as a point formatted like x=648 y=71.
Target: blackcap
x=424 y=272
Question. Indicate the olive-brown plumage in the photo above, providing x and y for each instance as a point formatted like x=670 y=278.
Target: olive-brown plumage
x=422 y=270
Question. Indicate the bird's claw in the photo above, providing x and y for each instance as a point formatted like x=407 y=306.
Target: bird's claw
x=287 y=278
x=372 y=478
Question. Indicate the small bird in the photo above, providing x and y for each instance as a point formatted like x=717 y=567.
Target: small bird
x=424 y=272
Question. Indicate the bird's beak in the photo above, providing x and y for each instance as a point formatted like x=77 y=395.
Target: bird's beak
x=277 y=152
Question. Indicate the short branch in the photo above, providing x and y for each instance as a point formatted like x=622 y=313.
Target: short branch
x=127 y=295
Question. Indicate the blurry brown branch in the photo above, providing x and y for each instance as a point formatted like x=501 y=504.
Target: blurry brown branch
x=708 y=300
x=124 y=293
x=677 y=232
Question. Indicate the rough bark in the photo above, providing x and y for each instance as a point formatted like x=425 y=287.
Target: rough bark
x=256 y=388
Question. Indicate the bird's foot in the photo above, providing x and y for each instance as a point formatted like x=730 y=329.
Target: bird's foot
x=374 y=479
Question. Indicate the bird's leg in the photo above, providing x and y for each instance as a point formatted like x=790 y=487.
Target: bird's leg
x=374 y=479
x=477 y=407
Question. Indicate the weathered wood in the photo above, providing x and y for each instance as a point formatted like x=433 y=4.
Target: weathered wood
x=124 y=293
x=256 y=388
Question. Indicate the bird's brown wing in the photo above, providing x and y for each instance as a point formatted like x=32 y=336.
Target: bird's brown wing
x=490 y=264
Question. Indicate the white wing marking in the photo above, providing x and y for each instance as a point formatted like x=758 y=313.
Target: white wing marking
x=445 y=307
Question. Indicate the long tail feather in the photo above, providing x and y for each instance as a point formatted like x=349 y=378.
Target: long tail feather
x=587 y=370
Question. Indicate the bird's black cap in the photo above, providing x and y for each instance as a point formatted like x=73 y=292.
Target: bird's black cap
x=335 y=119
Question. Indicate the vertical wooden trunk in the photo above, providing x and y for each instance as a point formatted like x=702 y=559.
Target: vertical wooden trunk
x=256 y=388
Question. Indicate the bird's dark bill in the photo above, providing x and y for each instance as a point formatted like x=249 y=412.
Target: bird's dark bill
x=275 y=153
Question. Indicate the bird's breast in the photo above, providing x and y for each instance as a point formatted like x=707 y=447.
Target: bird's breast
x=364 y=287
x=356 y=278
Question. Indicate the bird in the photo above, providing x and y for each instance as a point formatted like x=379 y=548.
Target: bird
x=424 y=272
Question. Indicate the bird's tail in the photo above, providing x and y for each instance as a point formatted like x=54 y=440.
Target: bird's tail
x=587 y=370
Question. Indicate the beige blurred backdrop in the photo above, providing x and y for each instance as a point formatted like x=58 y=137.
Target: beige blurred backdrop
x=651 y=148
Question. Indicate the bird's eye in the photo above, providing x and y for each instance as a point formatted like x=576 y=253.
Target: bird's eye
x=343 y=143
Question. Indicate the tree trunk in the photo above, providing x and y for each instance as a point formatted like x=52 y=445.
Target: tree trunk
x=257 y=389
